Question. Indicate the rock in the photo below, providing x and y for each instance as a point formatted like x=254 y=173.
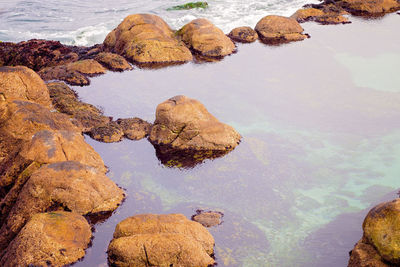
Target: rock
x=134 y=128
x=382 y=230
x=65 y=100
x=24 y=84
x=190 y=5
x=67 y=185
x=49 y=239
x=185 y=124
x=62 y=73
x=108 y=133
x=365 y=255
x=113 y=62
x=321 y=16
x=243 y=35
x=201 y=36
x=277 y=29
x=160 y=240
x=208 y=218
x=145 y=38
x=368 y=7
x=88 y=67
x=36 y=54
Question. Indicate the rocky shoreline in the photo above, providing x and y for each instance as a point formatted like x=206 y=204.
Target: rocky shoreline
x=51 y=180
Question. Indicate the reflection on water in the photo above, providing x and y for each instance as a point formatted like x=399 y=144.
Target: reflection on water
x=319 y=146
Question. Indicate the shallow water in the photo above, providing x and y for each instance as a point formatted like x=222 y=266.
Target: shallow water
x=320 y=121
x=88 y=22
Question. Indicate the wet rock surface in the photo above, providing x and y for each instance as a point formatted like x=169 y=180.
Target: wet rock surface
x=365 y=255
x=324 y=15
x=368 y=7
x=113 y=62
x=145 y=38
x=134 y=128
x=277 y=29
x=204 y=38
x=22 y=83
x=55 y=238
x=243 y=35
x=208 y=218
x=108 y=133
x=160 y=240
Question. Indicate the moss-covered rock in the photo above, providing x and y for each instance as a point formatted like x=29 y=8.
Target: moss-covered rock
x=190 y=5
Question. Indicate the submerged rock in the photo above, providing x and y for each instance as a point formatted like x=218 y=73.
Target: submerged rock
x=113 y=62
x=201 y=36
x=24 y=84
x=208 y=218
x=243 y=35
x=185 y=130
x=77 y=188
x=326 y=15
x=134 y=128
x=145 y=38
x=277 y=29
x=160 y=240
x=49 y=239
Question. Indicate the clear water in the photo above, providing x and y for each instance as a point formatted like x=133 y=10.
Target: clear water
x=88 y=22
x=320 y=121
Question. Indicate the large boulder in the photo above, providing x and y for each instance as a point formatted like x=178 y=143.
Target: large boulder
x=49 y=239
x=368 y=7
x=146 y=38
x=24 y=84
x=206 y=39
x=277 y=29
x=382 y=230
x=160 y=240
x=326 y=15
x=36 y=54
x=184 y=123
x=69 y=185
x=243 y=35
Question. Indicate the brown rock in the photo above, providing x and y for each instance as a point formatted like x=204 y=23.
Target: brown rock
x=382 y=230
x=208 y=218
x=277 y=29
x=69 y=185
x=204 y=38
x=185 y=123
x=24 y=84
x=36 y=54
x=54 y=238
x=88 y=67
x=319 y=15
x=113 y=62
x=62 y=73
x=145 y=38
x=65 y=100
x=369 y=7
x=365 y=255
x=243 y=35
x=160 y=240
x=108 y=133
x=134 y=128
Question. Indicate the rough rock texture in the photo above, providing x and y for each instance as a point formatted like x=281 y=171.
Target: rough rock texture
x=62 y=73
x=49 y=239
x=36 y=54
x=145 y=38
x=184 y=123
x=77 y=187
x=88 y=67
x=134 y=128
x=365 y=255
x=160 y=240
x=65 y=100
x=208 y=218
x=24 y=84
x=382 y=230
x=368 y=7
x=108 y=133
x=322 y=16
x=277 y=29
x=243 y=35
x=202 y=37
x=113 y=62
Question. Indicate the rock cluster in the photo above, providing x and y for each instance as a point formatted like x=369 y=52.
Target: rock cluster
x=160 y=240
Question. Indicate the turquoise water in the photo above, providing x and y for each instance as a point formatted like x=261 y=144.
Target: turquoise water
x=320 y=121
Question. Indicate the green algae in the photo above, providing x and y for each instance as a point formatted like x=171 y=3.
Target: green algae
x=190 y=5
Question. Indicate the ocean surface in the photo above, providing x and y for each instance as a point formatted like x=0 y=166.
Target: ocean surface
x=320 y=121
x=88 y=22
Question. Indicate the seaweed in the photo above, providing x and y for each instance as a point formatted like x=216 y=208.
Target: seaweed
x=189 y=5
